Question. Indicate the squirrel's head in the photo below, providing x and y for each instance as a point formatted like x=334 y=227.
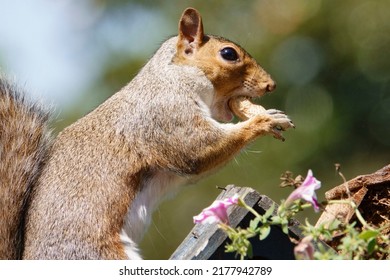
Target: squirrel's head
x=231 y=70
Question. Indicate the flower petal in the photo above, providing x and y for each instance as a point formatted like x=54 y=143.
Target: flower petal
x=311 y=181
x=306 y=191
x=217 y=211
x=305 y=249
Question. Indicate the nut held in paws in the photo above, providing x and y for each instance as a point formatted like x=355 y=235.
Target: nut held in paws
x=244 y=109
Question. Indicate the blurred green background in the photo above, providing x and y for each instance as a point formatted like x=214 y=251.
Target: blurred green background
x=330 y=60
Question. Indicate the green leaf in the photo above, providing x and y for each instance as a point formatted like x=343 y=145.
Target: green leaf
x=270 y=211
x=276 y=220
x=334 y=225
x=368 y=234
x=284 y=227
x=250 y=251
x=264 y=232
x=371 y=246
x=254 y=223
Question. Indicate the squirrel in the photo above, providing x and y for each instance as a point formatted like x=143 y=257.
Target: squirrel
x=89 y=193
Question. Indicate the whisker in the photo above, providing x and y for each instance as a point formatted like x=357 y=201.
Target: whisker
x=254 y=151
x=156 y=227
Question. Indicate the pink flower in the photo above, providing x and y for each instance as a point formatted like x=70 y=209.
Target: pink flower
x=305 y=249
x=306 y=191
x=216 y=212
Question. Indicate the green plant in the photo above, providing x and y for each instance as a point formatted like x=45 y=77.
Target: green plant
x=354 y=243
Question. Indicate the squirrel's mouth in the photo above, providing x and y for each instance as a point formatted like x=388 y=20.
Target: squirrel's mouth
x=223 y=111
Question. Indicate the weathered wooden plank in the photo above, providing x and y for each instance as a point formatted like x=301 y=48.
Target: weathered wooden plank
x=342 y=212
x=357 y=190
x=203 y=240
x=382 y=176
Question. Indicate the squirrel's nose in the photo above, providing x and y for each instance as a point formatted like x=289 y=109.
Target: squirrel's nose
x=271 y=85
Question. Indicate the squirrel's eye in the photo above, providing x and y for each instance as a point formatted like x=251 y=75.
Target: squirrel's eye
x=229 y=53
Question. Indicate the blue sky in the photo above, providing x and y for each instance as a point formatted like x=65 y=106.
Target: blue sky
x=41 y=48
x=55 y=48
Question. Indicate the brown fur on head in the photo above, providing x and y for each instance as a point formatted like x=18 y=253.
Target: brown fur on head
x=232 y=71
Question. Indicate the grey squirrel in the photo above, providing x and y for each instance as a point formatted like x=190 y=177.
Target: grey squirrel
x=89 y=193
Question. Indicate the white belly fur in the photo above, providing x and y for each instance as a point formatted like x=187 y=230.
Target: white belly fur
x=139 y=215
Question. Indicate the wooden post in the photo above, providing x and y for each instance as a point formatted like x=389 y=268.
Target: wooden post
x=355 y=190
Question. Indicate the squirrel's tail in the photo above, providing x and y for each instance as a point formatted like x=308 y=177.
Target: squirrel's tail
x=24 y=141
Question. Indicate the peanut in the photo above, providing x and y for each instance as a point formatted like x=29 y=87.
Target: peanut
x=244 y=109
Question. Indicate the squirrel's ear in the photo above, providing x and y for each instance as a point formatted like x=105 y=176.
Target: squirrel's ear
x=190 y=31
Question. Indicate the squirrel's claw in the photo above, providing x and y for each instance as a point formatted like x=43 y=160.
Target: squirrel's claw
x=281 y=122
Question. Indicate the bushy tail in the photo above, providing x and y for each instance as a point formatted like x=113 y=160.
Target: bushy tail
x=24 y=141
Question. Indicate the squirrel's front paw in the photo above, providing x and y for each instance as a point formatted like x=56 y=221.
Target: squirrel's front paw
x=280 y=122
x=266 y=121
